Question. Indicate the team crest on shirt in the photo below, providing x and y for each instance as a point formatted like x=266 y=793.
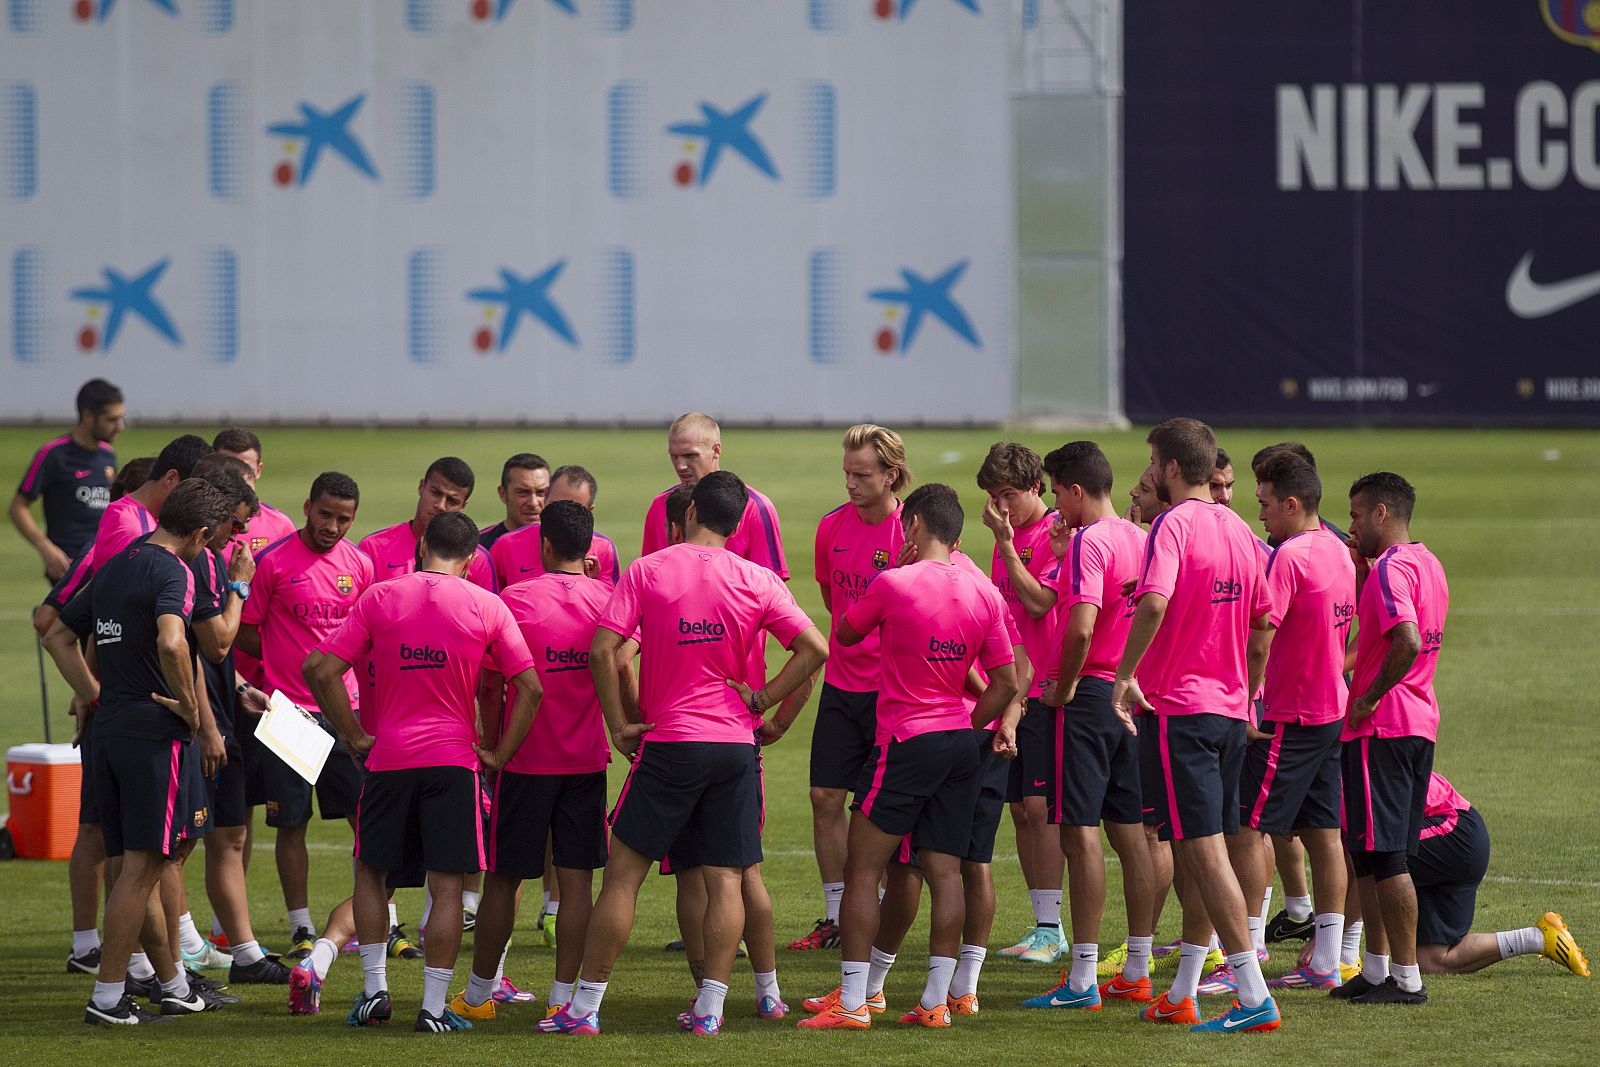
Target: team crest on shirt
x=1025 y=554
x=880 y=559
x=257 y=544
x=200 y=816
x=344 y=583
x=272 y=809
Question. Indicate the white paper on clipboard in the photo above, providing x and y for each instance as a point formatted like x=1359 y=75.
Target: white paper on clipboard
x=290 y=732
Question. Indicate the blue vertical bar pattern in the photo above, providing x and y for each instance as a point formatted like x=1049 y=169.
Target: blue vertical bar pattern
x=617 y=303
x=417 y=139
x=624 y=141
x=19 y=152
x=221 y=292
x=1030 y=14
x=825 y=16
x=27 y=305
x=224 y=134
x=616 y=16
x=826 y=289
x=422 y=16
x=25 y=16
x=819 y=140
x=424 y=315
x=216 y=16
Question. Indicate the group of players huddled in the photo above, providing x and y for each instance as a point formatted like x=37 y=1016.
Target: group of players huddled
x=1192 y=689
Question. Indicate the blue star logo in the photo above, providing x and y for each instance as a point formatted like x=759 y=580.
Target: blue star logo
x=727 y=129
x=323 y=129
x=923 y=297
x=528 y=296
x=130 y=295
x=907 y=5
x=169 y=6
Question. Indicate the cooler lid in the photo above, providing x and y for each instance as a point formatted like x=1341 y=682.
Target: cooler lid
x=41 y=753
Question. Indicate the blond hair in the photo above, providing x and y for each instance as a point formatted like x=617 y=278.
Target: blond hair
x=693 y=422
x=886 y=445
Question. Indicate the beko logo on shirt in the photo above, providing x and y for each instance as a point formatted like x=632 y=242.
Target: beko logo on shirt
x=107 y=631
x=1344 y=614
x=700 y=631
x=1431 y=641
x=422 y=658
x=1226 y=590
x=566 y=659
x=943 y=651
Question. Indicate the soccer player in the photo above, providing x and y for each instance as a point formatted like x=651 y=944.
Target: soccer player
x=145 y=711
x=1221 y=484
x=856 y=542
x=1390 y=726
x=303 y=589
x=446 y=486
x=1201 y=593
x=698 y=608
x=1094 y=772
x=269 y=524
x=517 y=556
x=74 y=474
x=135 y=514
x=1016 y=514
x=937 y=623
x=1144 y=505
x=524 y=484
x=427 y=636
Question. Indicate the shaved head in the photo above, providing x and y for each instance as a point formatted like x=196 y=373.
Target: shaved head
x=694 y=424
x=694 y=445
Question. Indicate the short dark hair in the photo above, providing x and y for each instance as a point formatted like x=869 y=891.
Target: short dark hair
x=569 y=527
x=1290 y=476
x=1223 y=459
x=678 y=504
x=719 y=502
x=181 y=454
x=195 y=504
x=133 y=474
x=1388 y=489
x=337 y=485
x=1294 y=448
x=577 y=475
x=451 y=535
x=227 y=473
x=96 y=395
x=939 y=508
x=237 y=439
x=1080 y=463
x=453 y=470
x=522 y=461
x=1191 y=444
x=1011 y=464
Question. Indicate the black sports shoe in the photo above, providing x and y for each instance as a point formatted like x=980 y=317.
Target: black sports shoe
x=262 y=972
x=199 y=1000
x=1282 y=928
x=302 y=942
x=126 y=1013
x=88 y=963
x=1390 y=993
x=674 y=946
x=469 y=921
x=370 y=1011
x=400 y=946
x=212 y=986
x=443 y=1023
x=1355 y=987
x=143 y=988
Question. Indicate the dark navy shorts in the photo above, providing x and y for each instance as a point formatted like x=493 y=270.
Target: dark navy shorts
x=706 y=794
x=1094 y=776
x=1291 y=782
x=1385 y=792
x=841 y=738
x=1189 y=770
x=1030 y=773
x=926 y=786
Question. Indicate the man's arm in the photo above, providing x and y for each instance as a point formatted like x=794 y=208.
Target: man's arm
x=807 y=653
x=529 y=692
x=213 y=752
x=628 y=680
x=1002 y=691
x=608 y=687
x=1125 y=694
x=491 y=707
x=62 y=644
x=1261 y=634
x=219 y=633
x=248 y=639
x=325 y=675
x=55 y=560
x=1036 y=599
x=848 y=635
x=1074 y=651
x=1405 y=644
x=177 y=667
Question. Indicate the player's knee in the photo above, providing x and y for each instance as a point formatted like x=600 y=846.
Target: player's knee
x=1386 y=865
x=827 y=802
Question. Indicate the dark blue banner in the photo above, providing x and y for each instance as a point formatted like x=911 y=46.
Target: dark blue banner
x=1380 y=211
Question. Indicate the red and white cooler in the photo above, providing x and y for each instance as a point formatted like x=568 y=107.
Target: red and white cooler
x=42 y=784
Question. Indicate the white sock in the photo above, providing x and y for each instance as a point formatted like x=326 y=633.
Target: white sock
x=553 y=908
x=470 y=900
x=1247 y=971
x=427 y=910
x=139 y=967
x=1527 y=941
x=1186 y=983
x=479 y=989
x=108 y=994
x=1299 y=908
x=300 y=919
x=709 y=1001
x=560 y=993
x=878 y=971
x=394 y=915
x=1046 y=906
x=1266 y=904
x=832 y=894
x=1258 y=933
x=941 y=969
x=189 y=938
x=965 y=981
x=435 y=987
x=1084 y=958
x=546 y=905
x=374 y=968
x=1374 y=968
x=323 y=953
x=586 y=998
x=1138 y=965
x=767 y=986
x=1325 y=947
x=216 y=927
x=85 y=942
x=1350 y=945
x=248 y=952
x=852 y=984
x=500 y=968
x=1407 y=976
x=1214 y=945
x=178 y=987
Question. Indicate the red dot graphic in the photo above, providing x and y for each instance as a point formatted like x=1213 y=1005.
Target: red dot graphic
x=684 y=174
x=483 y=339
x=480 y=9
x=83 y=10
x=883 y=8
x=87 y=338
x=884 y=340
x=283 y=173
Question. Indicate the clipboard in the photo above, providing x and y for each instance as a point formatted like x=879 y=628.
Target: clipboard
x=292 y=734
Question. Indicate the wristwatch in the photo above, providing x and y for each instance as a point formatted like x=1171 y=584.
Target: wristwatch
x=242 y=588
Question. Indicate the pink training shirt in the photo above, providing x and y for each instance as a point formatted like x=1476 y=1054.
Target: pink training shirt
x=757 y=538
x=427 y=636
x=1406 y=584
x=1313 y=585
x=1443 y=804
x=297 y=598
x=122 y=523
x=1103 y=555
x=964 y=561
x=1042 y=636
x=516 y=557
x=394 y=552
x=558 y=615
x=1205 y=561
x=935 y=621
x=849 y=554
x=699 y=611
x=268 y=526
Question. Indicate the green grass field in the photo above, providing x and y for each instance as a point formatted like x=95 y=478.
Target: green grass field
x=1511 y=514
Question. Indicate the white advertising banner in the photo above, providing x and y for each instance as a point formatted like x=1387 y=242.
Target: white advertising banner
x=507 y=210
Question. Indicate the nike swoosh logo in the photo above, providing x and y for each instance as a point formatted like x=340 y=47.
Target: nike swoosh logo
x=1038 y=782
x=1529 y=299
x=1168 y=1014
x=81 y=474
x=1232 y=1024
x=297 y=581
x=525 y=570
x=392 y=566
x=844 y=549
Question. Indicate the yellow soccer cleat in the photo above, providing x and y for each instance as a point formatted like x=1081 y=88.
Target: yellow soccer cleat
x=1348 y=971
x=482 y=1012
x=1561 y=946
x=1111 y=963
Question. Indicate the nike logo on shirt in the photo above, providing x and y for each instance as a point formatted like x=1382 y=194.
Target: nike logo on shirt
x=82 y=474
x=302 y=578
x=392 y=566
x=1529 y=299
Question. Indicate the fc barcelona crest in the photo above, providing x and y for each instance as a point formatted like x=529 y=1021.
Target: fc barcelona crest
x=344 y=583
x=880 y=559
x=1025 y=554
x=257 y=544
x=1574 y=21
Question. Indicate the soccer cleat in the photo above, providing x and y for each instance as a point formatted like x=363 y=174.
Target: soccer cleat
x=551 y=1010
x=559 y=1022
x=370 y=1011
x=261 y=972
x=143 y=988
x=305 y=990
x=1022 y=945
x=88 y=963
x=1215 y=959
x=966 y=1004
x=208 y=958
x=823 y=935
x=830 y=1001
x=1389 y=992
x=1348 y=971
x=476 y=1012
x=1242 y=1020
x=1111 y=963
x=1559 y=945
x=1048 y=944
x=1064 y=996
x=1282 y=928
x=699 y=1025
x=1161 y=952
x=1220 y=981
x=836 y=1018
x=400 y=946
x=547 y=926
x=1121 y=989
x=1162 y=1010
x=444 y=1023
x=508 y=993
x=771 y=1008
x=933 y=1018
x=1306 y=978
x=199 y=1000
x=1352 y=987
x=126 y=1013
x=220 y=943
x=302 y=942
x=469 y=921
x=211 y=985
x=675 y=945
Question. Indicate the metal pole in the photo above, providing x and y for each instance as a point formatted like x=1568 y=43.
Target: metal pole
x=44 y=690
